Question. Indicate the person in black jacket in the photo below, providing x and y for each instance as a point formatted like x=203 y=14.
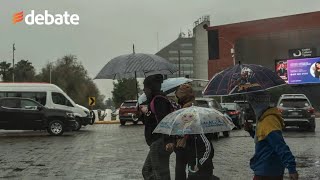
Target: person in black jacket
x=156 y=166
x=200 y=153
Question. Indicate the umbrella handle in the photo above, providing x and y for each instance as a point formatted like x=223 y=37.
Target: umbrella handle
x=190 y=168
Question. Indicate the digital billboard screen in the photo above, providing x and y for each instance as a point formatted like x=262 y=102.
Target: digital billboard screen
x=281 y=69
x=302 y=71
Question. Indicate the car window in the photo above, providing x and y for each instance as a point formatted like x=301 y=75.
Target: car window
x=27 y=104
x=11 y=103
x=229 y=106
x=216 y=105
x=40 y=97
x=59 y=98
x=294 y=103
x=129 y=104
x=13 y=94
x=2 y=94
x=202 y=104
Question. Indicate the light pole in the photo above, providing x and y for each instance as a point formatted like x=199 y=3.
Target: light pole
x=13 y=48
x=232 y=51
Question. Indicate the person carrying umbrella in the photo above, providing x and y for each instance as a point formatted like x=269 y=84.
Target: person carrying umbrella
x=272 y=154
x=186 y=98
x=156 y=165
x=188 y=147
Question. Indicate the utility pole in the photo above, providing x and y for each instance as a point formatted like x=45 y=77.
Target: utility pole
x=179 y=61
x=50 y=72
x=157 y=41
x=13 y=48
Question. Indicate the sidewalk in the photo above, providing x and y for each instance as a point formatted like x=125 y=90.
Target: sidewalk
x=107 y=122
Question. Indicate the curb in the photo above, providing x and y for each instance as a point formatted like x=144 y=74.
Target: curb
x=107 y=122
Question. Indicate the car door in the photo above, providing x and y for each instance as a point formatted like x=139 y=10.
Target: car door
x=31 y=117
x=9 y=111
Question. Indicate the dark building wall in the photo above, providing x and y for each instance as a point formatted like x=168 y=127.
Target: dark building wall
x=229 y=34
x=265 y=49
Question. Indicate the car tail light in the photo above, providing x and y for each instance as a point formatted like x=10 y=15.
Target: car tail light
x=234 y=112
x=311 y=110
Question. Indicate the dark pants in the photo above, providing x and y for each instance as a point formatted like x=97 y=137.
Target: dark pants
x=181 y=164
x=268 y=177
x=156 y=165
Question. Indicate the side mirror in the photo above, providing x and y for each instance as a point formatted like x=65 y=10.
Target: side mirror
x=40 y=108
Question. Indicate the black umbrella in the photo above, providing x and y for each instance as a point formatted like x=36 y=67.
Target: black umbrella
x=135 y=65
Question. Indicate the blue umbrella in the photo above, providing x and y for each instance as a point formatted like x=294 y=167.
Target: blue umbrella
x=168 y=86
x=242 y=79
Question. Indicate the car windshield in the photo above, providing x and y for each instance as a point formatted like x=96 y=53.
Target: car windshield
x=129 y=104
x=295 y=103
x=229 y=106
x=203 y=104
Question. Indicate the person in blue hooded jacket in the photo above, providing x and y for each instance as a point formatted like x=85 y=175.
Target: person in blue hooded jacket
x=272 y=154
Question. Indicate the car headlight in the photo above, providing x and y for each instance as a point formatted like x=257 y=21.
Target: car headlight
x=70 y=115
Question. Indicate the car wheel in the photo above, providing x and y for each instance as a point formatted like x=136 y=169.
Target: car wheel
x=93 y=117
x=55 y=128
x=78 y=124
x=226 y=133
x=122 y=122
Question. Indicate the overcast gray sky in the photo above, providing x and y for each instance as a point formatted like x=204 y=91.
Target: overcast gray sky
x=108 y=28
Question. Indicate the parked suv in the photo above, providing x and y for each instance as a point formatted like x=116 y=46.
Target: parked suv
x=129 y=111
x=235 y=112
x=297 y=110
x=211 y=103
x=27 y=114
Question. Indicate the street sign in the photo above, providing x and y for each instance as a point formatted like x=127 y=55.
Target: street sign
x=92 y=101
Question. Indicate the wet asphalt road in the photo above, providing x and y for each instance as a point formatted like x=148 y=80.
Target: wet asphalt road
x=117 y=153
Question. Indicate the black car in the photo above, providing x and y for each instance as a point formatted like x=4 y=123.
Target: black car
x=235 y=113
x=247 y=111
x=27 y=114
x=297 y=110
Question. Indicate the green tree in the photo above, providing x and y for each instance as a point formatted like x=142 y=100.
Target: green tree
x=71 y=76
x=24 y=71
x=124 y=89
x=5 y=71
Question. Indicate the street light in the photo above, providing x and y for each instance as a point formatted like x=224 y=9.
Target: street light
x=232 y=50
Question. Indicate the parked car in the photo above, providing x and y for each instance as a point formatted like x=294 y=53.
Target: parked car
x=235 y=112
x=27 y=114
x=50 y=96
x=211 y=103
x=247 y=111
x=129 y=111
x=297 y=110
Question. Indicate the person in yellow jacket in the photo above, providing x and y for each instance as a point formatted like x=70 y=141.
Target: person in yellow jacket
x=272 y=154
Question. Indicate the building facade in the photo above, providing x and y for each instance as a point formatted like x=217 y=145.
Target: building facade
x=265 y=42
x=190 y=51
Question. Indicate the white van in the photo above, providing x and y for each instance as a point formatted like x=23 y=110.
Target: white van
x=50 y=96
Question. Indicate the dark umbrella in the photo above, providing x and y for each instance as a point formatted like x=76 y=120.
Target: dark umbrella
x=242 y=79
x=135 y=65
